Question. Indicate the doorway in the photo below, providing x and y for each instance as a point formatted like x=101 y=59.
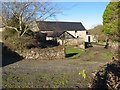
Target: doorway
x=89 y=39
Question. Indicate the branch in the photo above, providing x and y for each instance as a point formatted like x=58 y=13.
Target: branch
x=24 y=8
x=43 y=14
x=26 y=28
x=10 y=10
x=35 y=10
x=12 y=28
x=49 y=15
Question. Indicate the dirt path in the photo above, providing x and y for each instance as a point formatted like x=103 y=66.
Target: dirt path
x=55 y=73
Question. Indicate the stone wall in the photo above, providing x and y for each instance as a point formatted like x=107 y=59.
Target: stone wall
x=45 y=54
x=115 y=46
x=75 y=42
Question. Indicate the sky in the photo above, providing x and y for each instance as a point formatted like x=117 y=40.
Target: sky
x=88 y=13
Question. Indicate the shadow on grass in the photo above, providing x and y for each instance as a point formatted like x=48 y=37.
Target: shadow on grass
x=70 y=55
x=9 y=56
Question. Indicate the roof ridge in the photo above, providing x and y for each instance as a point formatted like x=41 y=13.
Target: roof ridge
x=58 y=25
x=58 y=21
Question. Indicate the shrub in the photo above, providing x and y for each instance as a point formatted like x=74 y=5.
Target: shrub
x=107 y=77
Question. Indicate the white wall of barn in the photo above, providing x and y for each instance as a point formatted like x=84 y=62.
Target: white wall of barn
x=91 y=38
x=46 y=31
x=34 y=27
x=49 y=38
x=1 y=31
x=79 y=34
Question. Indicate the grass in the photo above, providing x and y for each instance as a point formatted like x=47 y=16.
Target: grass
x=107 y=55
x=61 y=80
x=91 y=55
x=72 y=74
x=100 y=44
x=59 y=74
x=42 y=80
x=72 y=52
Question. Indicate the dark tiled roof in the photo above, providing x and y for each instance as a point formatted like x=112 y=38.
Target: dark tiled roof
x=55 y=33
x=58 y=34
x=60 y=26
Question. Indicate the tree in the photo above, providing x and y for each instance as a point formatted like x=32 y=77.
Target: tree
x=97 y=31
x=20 y=15
x=110 y=20
x=111 y=24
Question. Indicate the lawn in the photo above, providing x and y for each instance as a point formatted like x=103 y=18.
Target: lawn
x=73 y=52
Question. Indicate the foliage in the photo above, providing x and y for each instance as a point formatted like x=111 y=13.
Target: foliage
x=116 y=40
x=8 y=33
x=110 y=20
x=97 y=31
x=19 y=44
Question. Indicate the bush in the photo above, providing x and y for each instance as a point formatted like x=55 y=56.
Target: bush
x=8 y=33
x=20 y=43
x=107 y=77
x=29 y=46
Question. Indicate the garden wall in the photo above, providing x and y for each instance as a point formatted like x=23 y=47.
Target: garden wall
x=115 y=46
x=75 y=42
x=45 y=54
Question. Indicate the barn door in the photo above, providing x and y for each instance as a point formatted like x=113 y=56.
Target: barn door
x=89 y=39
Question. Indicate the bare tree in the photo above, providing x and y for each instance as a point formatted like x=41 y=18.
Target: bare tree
x=23 y=14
